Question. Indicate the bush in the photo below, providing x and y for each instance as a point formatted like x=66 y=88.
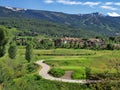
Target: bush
x=78 y=75
x=19 y=70
x=88 y=72
x=57 y=72
x=37 y=77
x=31 y=67
x=110 y=47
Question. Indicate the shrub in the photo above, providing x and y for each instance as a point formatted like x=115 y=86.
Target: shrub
x=88 y=72
x=57 y=72
x=37 y=77
x=78 y=75
x=31 y=67
x=110 y=47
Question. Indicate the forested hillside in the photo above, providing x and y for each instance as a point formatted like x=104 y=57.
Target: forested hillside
x=57 y=24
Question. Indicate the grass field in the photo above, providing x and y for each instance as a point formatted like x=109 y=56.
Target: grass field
x=23 y=80
x=66 y=59
x=77 y=59
x=0 y=87
x=73 y=59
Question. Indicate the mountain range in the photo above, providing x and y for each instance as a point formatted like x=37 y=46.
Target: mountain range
x=58 y=24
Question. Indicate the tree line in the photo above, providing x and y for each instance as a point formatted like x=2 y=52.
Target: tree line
x=110 y=43
x=12 y=50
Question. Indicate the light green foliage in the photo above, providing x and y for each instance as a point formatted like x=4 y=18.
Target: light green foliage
x=6 y=73
x=24 y=72
x=29 y=82
x=57 y=72
x=30 y=67
x=79 y=74
x=97 y=60
x=43 y=44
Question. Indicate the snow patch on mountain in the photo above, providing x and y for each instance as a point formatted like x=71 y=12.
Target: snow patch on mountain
x=14 y=9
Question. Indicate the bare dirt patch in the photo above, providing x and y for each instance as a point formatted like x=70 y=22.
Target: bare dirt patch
x=67 y=75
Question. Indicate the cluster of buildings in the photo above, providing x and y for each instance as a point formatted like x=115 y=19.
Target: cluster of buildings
x=90 y=41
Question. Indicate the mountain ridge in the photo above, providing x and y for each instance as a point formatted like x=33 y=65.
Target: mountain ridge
x=19 y=9
x=94 y=23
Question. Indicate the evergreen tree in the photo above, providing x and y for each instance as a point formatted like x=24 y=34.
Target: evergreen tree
x=29 y=52
x=3 y=40
x=12 y=51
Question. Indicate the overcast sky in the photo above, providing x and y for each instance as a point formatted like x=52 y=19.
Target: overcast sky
x=107 y=7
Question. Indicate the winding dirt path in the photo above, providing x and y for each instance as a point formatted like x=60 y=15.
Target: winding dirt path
x=44 y=73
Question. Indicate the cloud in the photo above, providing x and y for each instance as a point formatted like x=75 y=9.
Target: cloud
x=105 y=5
x=72 y=2
x=69 y=2
x=88 y=3
x=108 y=7
x=91 y=3
x=117 y=3
x=48 y=1
x=109 y=3
x=113 y=3
x=114 y=14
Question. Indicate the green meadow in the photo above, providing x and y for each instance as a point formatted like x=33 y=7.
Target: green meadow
x=75 y=59
x=78 y=59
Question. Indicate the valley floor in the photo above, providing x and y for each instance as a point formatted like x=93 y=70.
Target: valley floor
x=26 y=76
x=46 y=68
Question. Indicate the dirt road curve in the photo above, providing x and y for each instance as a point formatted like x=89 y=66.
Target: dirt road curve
x=44 y=73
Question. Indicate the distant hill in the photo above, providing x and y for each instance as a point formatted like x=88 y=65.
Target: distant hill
x=57 y=24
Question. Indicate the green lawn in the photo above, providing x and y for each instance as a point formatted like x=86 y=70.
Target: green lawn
x=98 y=61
